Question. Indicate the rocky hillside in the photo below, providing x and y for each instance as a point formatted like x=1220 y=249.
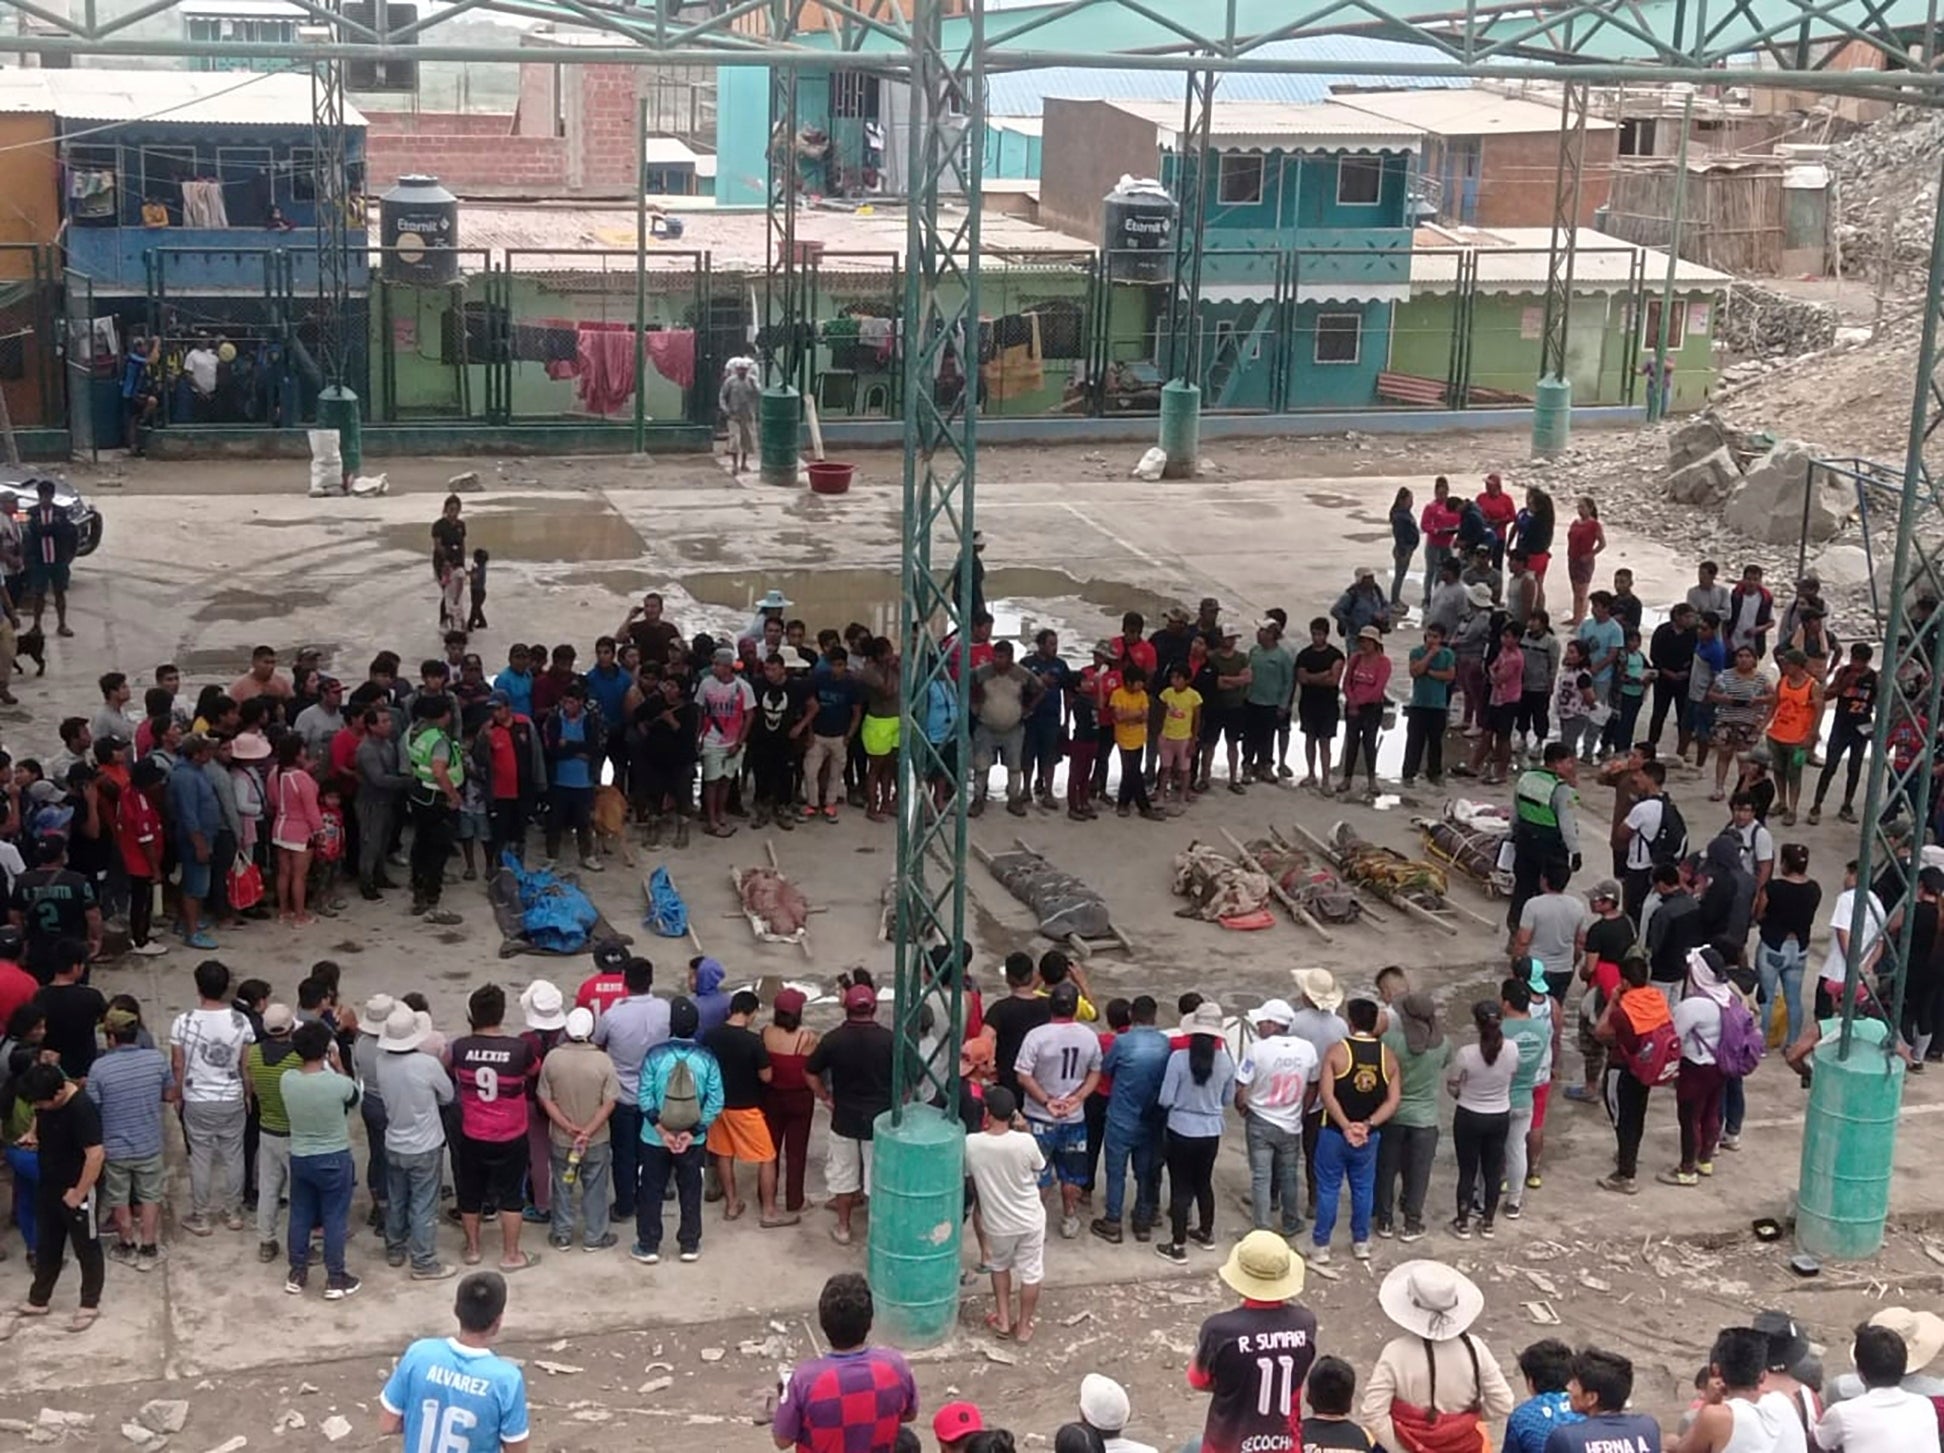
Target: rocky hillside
x=1889 y=170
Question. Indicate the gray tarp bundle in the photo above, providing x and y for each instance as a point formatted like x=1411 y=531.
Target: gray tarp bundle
x=1061 y=902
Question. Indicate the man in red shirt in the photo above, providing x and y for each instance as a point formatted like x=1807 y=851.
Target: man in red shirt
x=138 y=835
x=1439 y=525
x=1133 y=650
x=607 y=986
x=1499 y=509
x=17 y=986
x=503 y=756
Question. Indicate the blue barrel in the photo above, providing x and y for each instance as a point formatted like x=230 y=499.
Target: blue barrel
x=1848 y=1144
x=779 y=428
x=1552 y=415
x=1180 y=428
x=917 y=1210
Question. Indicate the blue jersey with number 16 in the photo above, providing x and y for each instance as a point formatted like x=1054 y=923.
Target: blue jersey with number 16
x=456 y=1399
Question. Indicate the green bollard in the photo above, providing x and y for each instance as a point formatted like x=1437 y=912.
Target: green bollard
x=337 y=408
x=780 y=429
x=1180 y=428
x=1849 y=1139
x=917 y=1210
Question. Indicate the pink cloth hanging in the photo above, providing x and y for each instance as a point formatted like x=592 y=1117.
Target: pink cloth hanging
x=605 y=358
x=672 y=351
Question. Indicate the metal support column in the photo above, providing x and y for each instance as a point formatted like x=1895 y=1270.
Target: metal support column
x=1552 y=412
x=337 y=404
x=1660 y=392
x=779 y=341
x=641 y=278
x=1181 y=394
x=915 y=1209
x=1850 y=1133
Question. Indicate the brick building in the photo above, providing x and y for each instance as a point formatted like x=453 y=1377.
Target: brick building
x=571 y=134
x=1489 y=159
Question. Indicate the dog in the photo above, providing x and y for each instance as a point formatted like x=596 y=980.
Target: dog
x=611 y=822
x=31 y=645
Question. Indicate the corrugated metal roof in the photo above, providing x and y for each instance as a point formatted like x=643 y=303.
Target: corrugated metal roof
x=1024 y=93
x=1266 y=125
x=1464 y=113
x=197 y=98
x=244 y=9
x=736 y=240
x=667 y=151
x=1513 y=260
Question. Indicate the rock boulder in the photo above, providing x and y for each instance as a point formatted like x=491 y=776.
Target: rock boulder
x=1707 y=481
x=1769 y=503
x=1843 y=565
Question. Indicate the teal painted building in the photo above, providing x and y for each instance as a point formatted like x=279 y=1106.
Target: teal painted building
x=1307 y=238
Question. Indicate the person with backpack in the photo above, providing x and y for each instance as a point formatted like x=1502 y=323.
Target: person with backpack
x=680 y=1098
x=1644 y=1053
x=1711 y=1048
x=1658 y=834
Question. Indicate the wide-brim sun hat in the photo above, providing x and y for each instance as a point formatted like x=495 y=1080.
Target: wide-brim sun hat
x=1429 y=1299
x=1320 y=987
x=545 y=1005
x=1206 y=1019
x=1922 y=1333
x=1263 y=1268
x=403 y=1031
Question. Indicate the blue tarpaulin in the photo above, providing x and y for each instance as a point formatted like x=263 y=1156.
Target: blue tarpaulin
x=666 y=914
x=556 y=916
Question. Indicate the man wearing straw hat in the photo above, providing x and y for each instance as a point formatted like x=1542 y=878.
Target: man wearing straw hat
x=1435 y=1387
x=1253 y=1360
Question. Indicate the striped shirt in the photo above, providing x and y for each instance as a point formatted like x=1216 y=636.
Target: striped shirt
x=265 y=1065
x=127 y=1083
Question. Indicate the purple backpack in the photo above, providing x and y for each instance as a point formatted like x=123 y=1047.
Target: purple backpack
x=1741 y=1046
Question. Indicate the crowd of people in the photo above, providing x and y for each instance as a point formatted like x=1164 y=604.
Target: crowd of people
x=1435 y=1387
x=587 y=1110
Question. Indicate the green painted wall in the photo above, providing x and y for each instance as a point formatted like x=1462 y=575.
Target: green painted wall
x=1505 y=345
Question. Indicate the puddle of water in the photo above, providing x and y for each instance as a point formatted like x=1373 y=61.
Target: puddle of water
x=1019 y=597
x=250 y=605
x=699 y=547
x=546 y=528
x=227 y=662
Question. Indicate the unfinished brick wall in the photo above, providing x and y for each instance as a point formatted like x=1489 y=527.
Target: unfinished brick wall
x=1515 y=178
x=519 y=155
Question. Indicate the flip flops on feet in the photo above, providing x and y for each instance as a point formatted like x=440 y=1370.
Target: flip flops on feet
x=997 y=1328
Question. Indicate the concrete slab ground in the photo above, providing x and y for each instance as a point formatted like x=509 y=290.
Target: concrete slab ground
x=201 y=562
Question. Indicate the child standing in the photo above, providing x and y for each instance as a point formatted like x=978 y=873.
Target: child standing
x=1573 y=702
x=1332 y=1387
x=1180 y=731
x=476 y=581
x=475 y=818
x=452 y=590
x=1127 y=708
x=327 y=851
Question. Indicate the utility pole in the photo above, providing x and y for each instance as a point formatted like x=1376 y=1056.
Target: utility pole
x=1660 y=397
x=1552 y=412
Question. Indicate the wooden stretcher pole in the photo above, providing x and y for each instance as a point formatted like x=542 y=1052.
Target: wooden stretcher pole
x=1296 y=910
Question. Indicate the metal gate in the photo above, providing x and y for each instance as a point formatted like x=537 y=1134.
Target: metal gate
x=78 y=348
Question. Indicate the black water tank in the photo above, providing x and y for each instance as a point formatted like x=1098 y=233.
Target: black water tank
x=1139 y=218
x=418 y=225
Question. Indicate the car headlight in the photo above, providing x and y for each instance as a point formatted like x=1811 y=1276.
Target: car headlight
x=79 y=511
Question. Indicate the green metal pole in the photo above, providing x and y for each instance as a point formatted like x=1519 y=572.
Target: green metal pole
x=1656 y=390
x=641 y=280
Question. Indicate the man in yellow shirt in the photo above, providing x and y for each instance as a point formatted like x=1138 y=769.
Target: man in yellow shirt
x=1128 y=707
x=1180 y=731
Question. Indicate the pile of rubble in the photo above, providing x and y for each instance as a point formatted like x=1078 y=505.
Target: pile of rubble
x=1886 y=186
x=1759 y=322
x=1766 y=496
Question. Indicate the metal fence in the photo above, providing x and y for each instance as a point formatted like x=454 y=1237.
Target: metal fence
x=531 y=335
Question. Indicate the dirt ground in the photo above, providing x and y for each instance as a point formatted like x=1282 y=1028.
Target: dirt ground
x=202 y=561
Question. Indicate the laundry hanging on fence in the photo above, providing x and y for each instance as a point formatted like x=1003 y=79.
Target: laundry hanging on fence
x=1014 y=367
x=91 y=194
x=672 y=353
x=606 y=369
x=202 y=205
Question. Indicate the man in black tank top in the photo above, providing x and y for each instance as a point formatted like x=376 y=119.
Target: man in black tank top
x=1360 y=1088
